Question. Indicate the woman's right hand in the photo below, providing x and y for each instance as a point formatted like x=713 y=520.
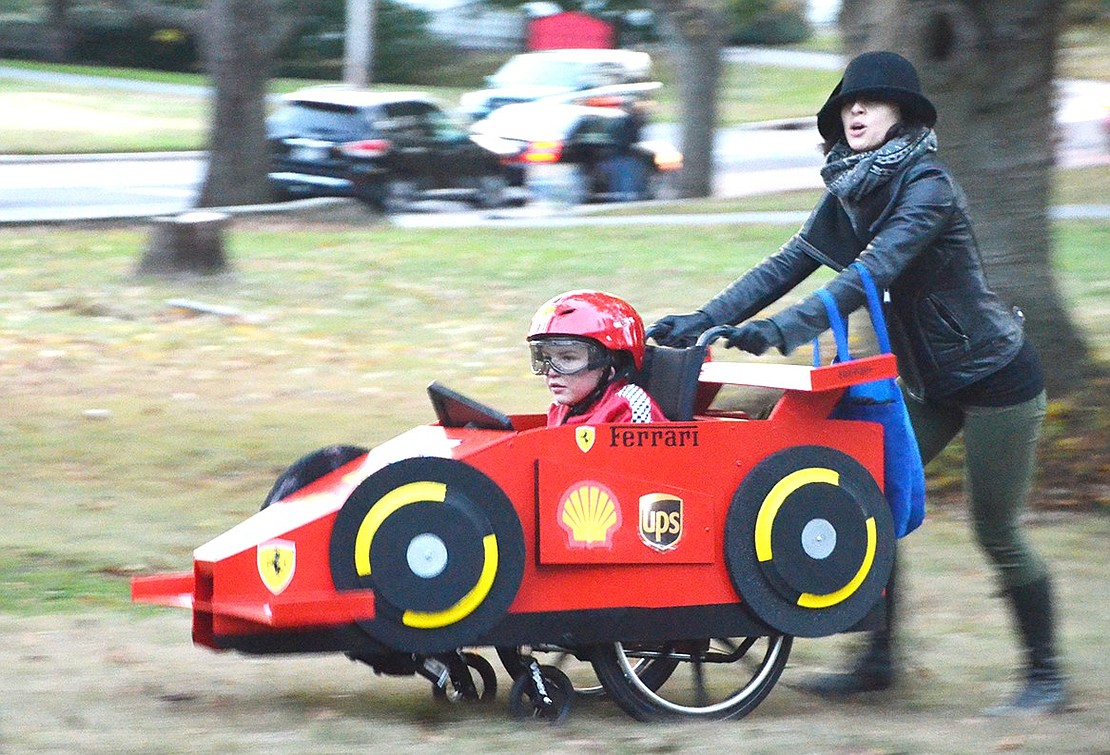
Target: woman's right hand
x=679 y=330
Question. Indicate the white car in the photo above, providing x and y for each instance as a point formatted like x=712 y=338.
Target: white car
x=535 y=75
x=576 y=153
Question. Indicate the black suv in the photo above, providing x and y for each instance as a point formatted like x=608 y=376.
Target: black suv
x=385 y=148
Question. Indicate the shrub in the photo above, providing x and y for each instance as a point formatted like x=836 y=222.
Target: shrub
x=107 y=37
x=768 y=22
x=404 y=51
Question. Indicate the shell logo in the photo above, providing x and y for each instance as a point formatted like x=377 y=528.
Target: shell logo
x=590 y=514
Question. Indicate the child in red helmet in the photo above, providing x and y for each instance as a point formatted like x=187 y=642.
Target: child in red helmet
x=587 y=345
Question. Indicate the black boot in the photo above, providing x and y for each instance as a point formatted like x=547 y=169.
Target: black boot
x=1043 y=691
x=874 y=670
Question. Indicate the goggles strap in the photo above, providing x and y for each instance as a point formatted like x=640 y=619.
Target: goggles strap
x=595 y=395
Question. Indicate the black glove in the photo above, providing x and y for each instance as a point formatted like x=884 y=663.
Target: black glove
x=679 y=330
x=755 y=337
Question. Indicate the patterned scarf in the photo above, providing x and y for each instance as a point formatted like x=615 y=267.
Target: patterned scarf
x=851 y=176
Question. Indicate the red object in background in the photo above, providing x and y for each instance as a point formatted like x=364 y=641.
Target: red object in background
x=570 y=30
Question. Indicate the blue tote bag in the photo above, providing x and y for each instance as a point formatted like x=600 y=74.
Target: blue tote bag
x=881 y=401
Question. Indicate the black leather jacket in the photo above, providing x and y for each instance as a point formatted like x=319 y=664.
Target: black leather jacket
x=913 y=235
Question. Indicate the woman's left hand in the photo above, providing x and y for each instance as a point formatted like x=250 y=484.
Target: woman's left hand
x=754 y=337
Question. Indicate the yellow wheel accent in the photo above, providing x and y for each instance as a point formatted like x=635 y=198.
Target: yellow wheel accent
x=808 y=600
x=774 y=500
x=809 y=541
x=468 y=602
x=383 y=508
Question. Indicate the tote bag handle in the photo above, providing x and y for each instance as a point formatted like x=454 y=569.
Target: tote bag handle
x=880 y=401
x=838 y=324
x=878 y=390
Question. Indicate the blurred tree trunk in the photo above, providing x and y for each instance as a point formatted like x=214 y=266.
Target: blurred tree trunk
x=358 y=44
x=696 y=31
x=239 y=55
x=61 y=36
x=989 y=67
x=238 y=41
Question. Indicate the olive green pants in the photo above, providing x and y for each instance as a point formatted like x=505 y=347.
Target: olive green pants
x=1001 y=445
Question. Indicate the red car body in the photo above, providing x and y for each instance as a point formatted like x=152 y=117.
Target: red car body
x=445 y=537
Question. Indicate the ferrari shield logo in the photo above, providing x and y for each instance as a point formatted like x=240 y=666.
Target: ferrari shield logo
x=584 y=436
x=660 y=520
x=277 y=560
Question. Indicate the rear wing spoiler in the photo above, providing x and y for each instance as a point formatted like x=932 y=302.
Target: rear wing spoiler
x=807 y=390
x=797 y=377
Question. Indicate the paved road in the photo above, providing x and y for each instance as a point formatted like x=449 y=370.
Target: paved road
x=750 y=160
x=53 y=188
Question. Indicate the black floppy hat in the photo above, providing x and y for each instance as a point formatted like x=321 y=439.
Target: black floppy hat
x=880 y=75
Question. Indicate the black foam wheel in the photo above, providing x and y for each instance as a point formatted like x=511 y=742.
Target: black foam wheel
x=552 y=703
x=441 y=546
x=809 y=541
x=310 y=468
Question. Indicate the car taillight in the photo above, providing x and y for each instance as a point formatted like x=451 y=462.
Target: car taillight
x=669 y=160
x=606 y=101
x=543 y=152
x=366 y=148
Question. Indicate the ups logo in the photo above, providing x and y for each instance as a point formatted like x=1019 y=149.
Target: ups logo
x=660 y=520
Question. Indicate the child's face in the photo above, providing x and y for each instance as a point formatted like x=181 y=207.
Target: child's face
x=564 y=364
x=570 y=389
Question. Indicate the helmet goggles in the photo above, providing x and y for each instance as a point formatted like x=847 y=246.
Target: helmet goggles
x=567 y=356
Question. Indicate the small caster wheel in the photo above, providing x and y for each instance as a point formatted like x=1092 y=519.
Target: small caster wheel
x=460 y=685
x=544 y=693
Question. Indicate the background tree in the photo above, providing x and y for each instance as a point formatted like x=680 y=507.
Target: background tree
x=990 y=69
x=239 y=41
x=695 y=31
x=61 y=37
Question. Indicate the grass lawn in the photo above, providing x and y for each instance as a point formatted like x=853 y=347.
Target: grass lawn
x=132 y=433
x=136 y=418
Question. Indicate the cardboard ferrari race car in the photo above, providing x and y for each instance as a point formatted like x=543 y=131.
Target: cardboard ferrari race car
x=677 y=559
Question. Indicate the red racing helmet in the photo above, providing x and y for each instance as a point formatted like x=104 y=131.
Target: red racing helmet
x=610 y=321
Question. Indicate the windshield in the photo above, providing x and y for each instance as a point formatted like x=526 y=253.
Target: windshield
x=332 y=122
x=532 y=70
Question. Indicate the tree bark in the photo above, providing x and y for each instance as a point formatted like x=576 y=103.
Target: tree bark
x=237 y=50
x=358 y=45
x=238 y=40
x=191 y=243
x=989 y=67
x=61 y=36
x=696 y=30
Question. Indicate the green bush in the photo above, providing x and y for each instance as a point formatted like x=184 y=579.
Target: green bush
x=23 y=39
x=404 y=51
x=1087 y=11
x=768 y=22
x=112 y=38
